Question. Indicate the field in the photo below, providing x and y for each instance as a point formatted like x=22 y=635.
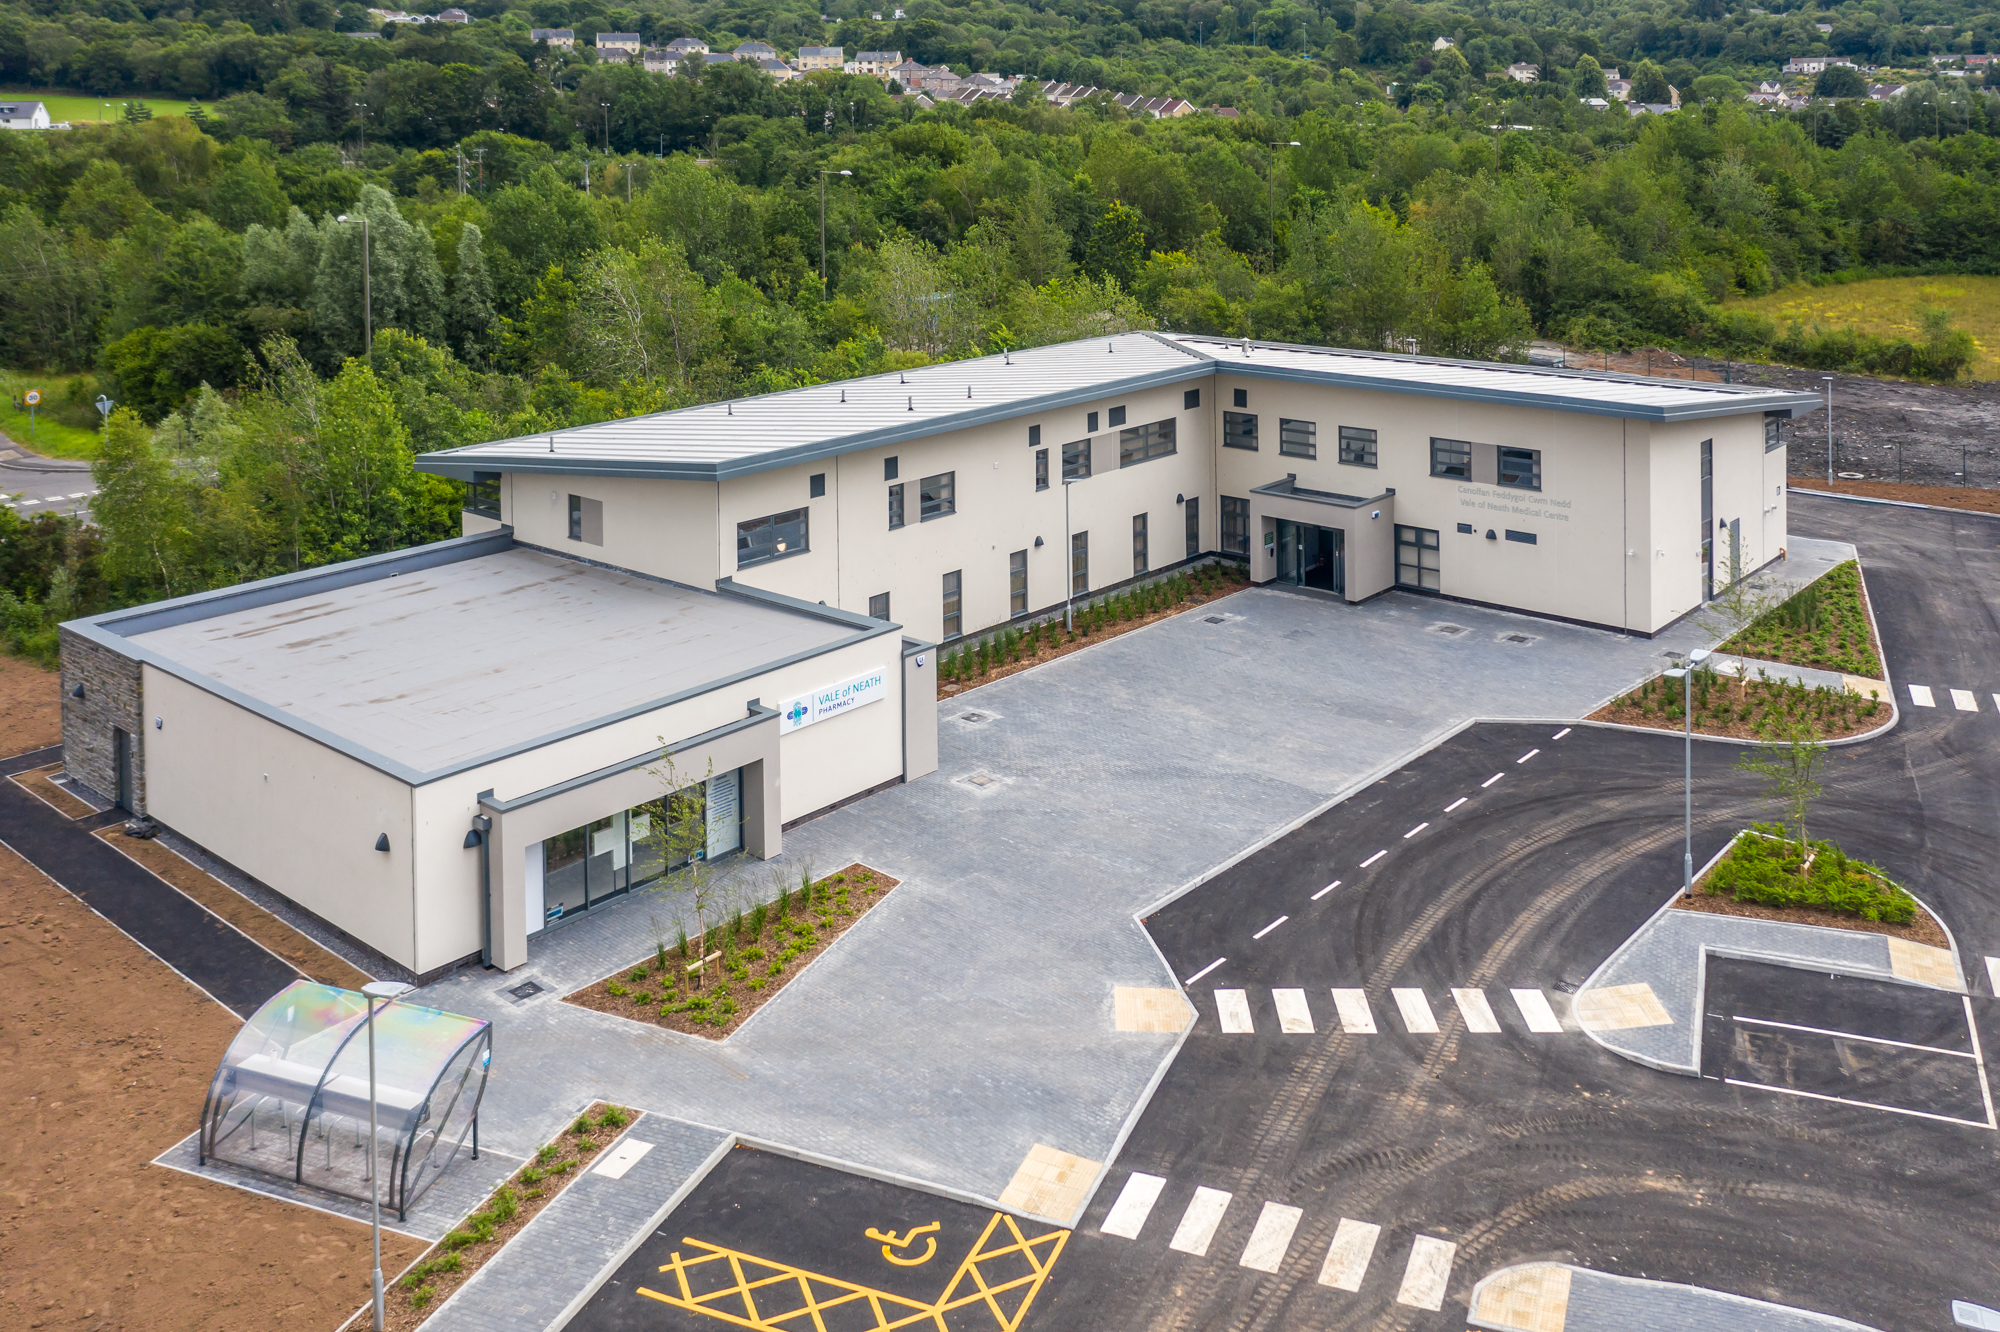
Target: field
x=62 y=430
x=78 y=107
x=1888 y=307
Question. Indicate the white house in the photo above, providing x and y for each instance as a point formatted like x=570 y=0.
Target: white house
x=23 y=115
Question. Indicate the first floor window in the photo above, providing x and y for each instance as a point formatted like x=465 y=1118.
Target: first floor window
x=586 y=520
x=1417 y=558
x=1079 y=562
x=1451 y=457
x=1116 y=417
x=483 y=495
x=1241 y=397
x=1193 y=517
x=1774 y=432
x=1525 y=538
x=954 y=617
x=1191 y=399
x=1357 y=446
x=878 y=606
x=1298 y=439
x=762 y=540
x=816 y=486
x=1521 y=468
x=1141 y=443
x=1041 y=469
x=889 y=468
x=937 y=494
x=1076 y=460
x=1138 y=544
x=1239 y=431
x=896 y=505
x=1017 y=583
x=1235 y=525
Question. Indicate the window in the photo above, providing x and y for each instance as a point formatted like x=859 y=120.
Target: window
x=1707 y=547
x=895 y=507
x=1357 y=446
x=1465 y=528
x=1190 y=400
x=816 y=486
x=1451 y=457
x=1525 y=538
x=586 y=520
x=1117 y=417
x=762 y=540
x=1774 y=432
x=1146 y=442
x=1138 y=544
x=1417 y=558
x=483 y=495
x=1296 y=439
x=1079 y=562
x=1235 y=525
x=1521 y=468
x=1193 y=519
x=1239 y=431
x=1076 y=460
x=1090 y=423
x=878 y=606
x=1034 y=436
x=1041 y=469
x=890 y=467
x=1017 y=583
x=1239 y=397
x=934 y=494
x=954 y=618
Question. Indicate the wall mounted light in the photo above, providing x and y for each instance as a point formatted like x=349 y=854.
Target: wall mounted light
x=1490 y=536
x=159 y=723
x=472 y=839
x=1376 y=514
x=1038 y=542
x=382 y=842
x=77 y=692
x=1180 y=499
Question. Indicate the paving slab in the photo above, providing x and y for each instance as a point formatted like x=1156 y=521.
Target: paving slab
x=1557 y=1297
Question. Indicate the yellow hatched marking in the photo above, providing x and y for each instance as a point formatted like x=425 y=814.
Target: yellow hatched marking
x=891 y=1310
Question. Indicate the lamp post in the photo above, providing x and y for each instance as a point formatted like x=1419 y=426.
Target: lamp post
x=367 y=305
x=1686 y=676
x=607 y=125
x=1828 y=381
x=1273 y=176
x=362 y=107
x=823 y=174
x=388 y=992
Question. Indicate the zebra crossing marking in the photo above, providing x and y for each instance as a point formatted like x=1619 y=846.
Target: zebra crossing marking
x=1963 y=700
x=1416 y=1011
x=1425 y=1277
x=1127 y=1216
x=1356 y=1019
x=1348 y=1256
x=1199 y=1222
x=1993 y=973
x=1232 y=1008
x=1535 y=1011
x=1271 y=1237
x=1921 y=696
x=1478 y=1014
x=1294 y=1018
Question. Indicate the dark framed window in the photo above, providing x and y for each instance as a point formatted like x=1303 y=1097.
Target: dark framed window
x=1190 y=400
x=1465 y=528
x=1079 y=562
x=1521 y=468
x=1017 y=583
x=576 y=517
x=1298 y=439
x=761 y=540
x=1239 y=431
x=1076 y=460
x=878 y=606
x=1090 y=423
x=483 y=495
x=936 y=496
x=895 y=506
x=890 y=467
x=816 y=486
x=1034 y=436
x=1145 y=443
x=586 y=520
x=1236 y=525
x=954 y=609
x=1357 y=446
x=1774 y=431
x=1451 y=457
x=1239 y=397
x=1116 y=417
x=1525 y=538
x=1193 y=519
x=1041 y=469
x=1417 y=558
x=1139 y=543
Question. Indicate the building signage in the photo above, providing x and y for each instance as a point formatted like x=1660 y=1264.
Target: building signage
x=868 y=687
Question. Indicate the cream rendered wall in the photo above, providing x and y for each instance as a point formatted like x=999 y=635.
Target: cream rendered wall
x=1579 y=517
x=1741 y=492
x=663 y=528
x=1773 y=501
x=855 y=554
x=301 y=817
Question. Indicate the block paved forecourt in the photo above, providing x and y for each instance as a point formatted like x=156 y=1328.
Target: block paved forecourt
x=970 y=1017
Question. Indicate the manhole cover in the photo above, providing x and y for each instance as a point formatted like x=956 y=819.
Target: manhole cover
x=974 y=717
x=525 y=990
x=980 y=780
x=1850 y=476
x=1519 y=638
x=1565 y=987
x=1214 y=619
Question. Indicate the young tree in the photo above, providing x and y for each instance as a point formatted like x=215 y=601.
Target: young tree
x=1790 y=764
x=677 y=831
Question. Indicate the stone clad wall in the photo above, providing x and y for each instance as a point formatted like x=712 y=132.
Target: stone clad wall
x=111 y=698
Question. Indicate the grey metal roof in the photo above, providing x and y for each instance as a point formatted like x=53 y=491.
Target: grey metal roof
x=746 y=435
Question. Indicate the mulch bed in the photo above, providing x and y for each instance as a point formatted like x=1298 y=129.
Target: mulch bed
x=1924 y=929
x=1764 y=640
x=841 y=899
x=413 y=1297
x=1626 y=713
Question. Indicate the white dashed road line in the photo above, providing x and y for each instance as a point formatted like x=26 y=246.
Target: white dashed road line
x=1414 y=831
x=1424 y=1279
x=1416 y=1011
x=1456 y=803
x=1560 y=734
x=1272 y=1236
x=1478 y=1014
x=1356 y=1018
x=1372 y=859
x=1535 y=1011
x=1525 y=757
x=1347 y=1257
x=1324 y=891
x=1272 y=926
x=1490 y=780
x=1294 y=1018
x=1135 y=1203
x=1204 y=971
x=1199 y=1222
x=1232 y=1008
x=1921 y=696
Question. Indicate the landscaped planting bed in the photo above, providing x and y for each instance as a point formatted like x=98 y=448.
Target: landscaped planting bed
x=1745 y=709
x=1759 y=876
x=1005 y=651
x=1823 y=624
x=749 y=956
x=416 y=1294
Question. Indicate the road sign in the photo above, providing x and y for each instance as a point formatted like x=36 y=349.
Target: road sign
x=32 y=396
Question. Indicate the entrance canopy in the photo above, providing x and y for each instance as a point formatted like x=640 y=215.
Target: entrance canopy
x=291 y=1096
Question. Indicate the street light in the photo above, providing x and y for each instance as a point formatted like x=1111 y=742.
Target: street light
x=607 y=125
x=1686 y=676
x=367 y=304
x=1273 y=175
x=823 y=174
x=1828 y=381
x=388 y=992
x=364 y=134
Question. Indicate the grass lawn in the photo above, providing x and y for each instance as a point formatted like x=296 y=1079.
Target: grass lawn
x=1887 y=307
x=1823 y=624
x=57 y=432
x=77 y=107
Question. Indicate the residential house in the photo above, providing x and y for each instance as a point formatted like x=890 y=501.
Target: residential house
x=1524 y=73
x=1610 y=73
x=907 y=73
x=1160 y=108
x=755 y=51
x=1823 y=27
x=821 y=57
x=687 y=46
x=1226 y=112
x=1980 y=61
x=1442 y=44
x=778 y=70
x=562 y=37
x=877 y=64
x=618 y=41
x=1595 y=103
x=616 y=55
x=1621 y=89
x=33 y=115
x=1814 y=64
x=1882 y=92
x=1770 y=86
x=661 y=60
x=1650 y=108
x=453 y=15
x=716 y=57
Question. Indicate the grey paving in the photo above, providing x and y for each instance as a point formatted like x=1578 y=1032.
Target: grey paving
x=580 y=1237
x=1600 y=1302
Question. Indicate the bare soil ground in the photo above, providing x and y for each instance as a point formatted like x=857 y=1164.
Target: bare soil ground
x=1944 y=497
x=30 y=707
x=107 y=1056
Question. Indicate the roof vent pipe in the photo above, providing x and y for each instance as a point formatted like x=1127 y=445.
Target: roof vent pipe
x=902 y=378
x=843 y=395
x=730 y=408
x=968 y=390
x=552 y=443
x=913 y=405
x=1007 y=357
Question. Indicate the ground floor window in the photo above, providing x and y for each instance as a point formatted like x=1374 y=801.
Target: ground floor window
x=1235 y=525
x=878 y=606
x=585 y=866
x=954 y=606
x=1017 y=583
x=1417 y=558
x=1138 y=544
x=1193 y=517
x=1079 y=562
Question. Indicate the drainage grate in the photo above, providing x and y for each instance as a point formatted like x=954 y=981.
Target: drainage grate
x=974 y=717
x=980 y=780
x=1566 y=986
x=1214 y=619
x=1448 y=628
x=525 y=990
x=1519 y=638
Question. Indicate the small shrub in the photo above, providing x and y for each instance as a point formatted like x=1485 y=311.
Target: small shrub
x=549 y=1152
x=614 y=1116
x=639 y=973
x=642 y=997
x=616 y=991
x=684 y=943
x=784 y=901
x=760 y=916
x=422 y=1296
x=756 y=982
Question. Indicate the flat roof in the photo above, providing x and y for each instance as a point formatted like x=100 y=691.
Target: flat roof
x=724 y=439
x=428 y=670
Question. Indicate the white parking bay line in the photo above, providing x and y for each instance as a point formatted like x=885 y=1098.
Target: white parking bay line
x=1135 y=1203
x=1490 y=780
x=1347 y=1257
x=1416 y=1012
x=1356 y=1019
x=1324 y=891
x=1234 y=1010
x=1921 y=696
x=1425 y=1278
x=1525 y=757
x=1992 y=973
x=1963 y=700
x=1199 y=1222
x=1294 y=1018
x=1414 y=831
x=1372 y=859
x=1535 y=1010
x=1272 y=926
x=1272 y=1236
x=1478 y=1014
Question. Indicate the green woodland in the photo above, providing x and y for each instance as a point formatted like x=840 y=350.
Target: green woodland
x=552 y=241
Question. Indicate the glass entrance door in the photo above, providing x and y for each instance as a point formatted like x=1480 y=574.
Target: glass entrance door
x=1312 y=556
